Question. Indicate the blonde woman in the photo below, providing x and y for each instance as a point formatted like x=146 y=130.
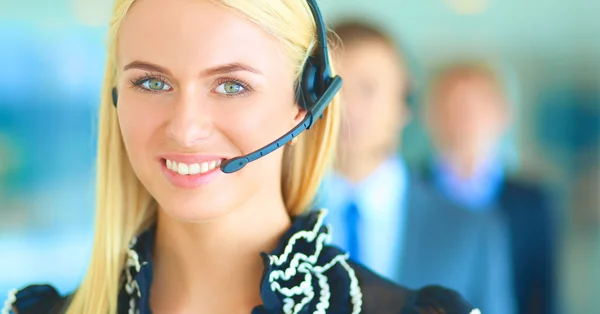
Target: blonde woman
x=197 y=209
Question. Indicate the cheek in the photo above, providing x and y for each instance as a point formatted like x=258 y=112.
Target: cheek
x=454 y=116
x=254 y=124
x=360 y=112
x=351 y=115
x=257 y=122
x=138 y=127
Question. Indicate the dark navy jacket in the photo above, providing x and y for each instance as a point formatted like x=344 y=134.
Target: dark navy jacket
x=532 y=225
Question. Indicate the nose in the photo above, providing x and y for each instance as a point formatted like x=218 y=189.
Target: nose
x=191 y=122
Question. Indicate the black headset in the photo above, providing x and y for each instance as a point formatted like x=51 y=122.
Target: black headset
x=315 y=91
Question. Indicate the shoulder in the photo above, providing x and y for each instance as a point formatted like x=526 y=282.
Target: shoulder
x=419 y=181
x=438 y=300
x=518 y=187
x=522 y=197
x=385 y=297
x=35 y=299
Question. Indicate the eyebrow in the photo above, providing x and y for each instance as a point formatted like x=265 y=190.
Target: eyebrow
x=146 y=66
x=228 y=68
x=220 y=69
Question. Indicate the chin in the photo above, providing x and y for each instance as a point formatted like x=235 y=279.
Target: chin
x=196 y=200
x=193 y=209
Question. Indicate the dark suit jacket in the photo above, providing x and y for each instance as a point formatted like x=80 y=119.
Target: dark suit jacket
x=532 y=227
x=448 y=245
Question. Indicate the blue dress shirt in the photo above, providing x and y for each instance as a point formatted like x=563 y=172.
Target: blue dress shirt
x=380 y=200
x=478 y=192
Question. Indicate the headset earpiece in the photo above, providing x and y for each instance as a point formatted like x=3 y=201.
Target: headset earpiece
x=306 y=89
x=115 y=96
x=312 y=85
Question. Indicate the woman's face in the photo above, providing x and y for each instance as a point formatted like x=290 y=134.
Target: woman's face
x=199 y=84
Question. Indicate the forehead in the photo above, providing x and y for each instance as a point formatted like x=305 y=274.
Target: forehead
x=182 y=34
x=462 y=85
x=372 y=55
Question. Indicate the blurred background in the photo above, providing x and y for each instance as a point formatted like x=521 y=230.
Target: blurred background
x=548 y=52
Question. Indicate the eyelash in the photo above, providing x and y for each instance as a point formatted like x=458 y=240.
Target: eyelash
x=138 y=81
x=231 y=79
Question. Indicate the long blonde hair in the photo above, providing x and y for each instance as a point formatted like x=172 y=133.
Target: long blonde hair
x=124 y=207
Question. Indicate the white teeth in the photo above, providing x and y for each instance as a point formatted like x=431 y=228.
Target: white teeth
x=182 y=168
x=192 y=169
x=203 y=167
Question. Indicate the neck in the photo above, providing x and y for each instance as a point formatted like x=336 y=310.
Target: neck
x=465 y=163
x=215 y=266
x=355 y=166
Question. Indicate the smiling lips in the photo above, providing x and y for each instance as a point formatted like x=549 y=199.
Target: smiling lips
x=192 y=169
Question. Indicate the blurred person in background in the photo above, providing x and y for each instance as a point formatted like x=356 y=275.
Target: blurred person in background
x=367 y=193
x=380 y=211
x=183 y=224
x=467 y=115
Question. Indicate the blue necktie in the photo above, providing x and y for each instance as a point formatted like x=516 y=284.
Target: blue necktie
x=352 y=236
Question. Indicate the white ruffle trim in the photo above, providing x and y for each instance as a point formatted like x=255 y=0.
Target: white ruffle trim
x=306 y=264
x=300 y=263
x=10 y=301
x=131 y=285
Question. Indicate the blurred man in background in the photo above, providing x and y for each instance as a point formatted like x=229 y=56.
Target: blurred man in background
x=467 y=115
x=381 y=212
x=366 y=196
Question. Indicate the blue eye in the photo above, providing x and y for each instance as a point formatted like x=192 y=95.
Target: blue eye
x=230 y=88
x=154 y=84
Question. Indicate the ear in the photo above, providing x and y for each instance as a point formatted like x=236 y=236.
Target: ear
x=299 y=114
x=426 y=118
x=406 y=116
x=507 y=115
